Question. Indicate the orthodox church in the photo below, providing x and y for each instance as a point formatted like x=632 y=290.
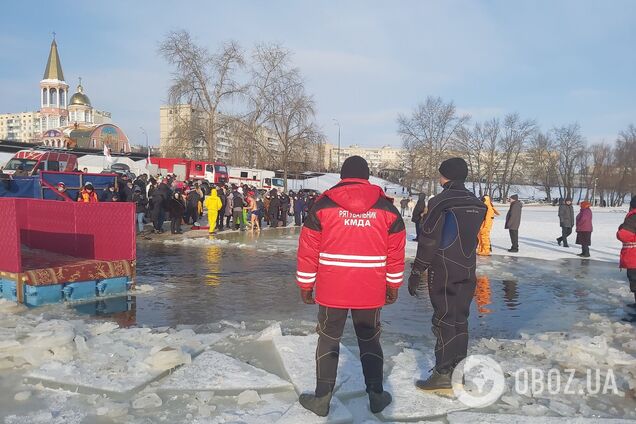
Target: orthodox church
x=68 y=122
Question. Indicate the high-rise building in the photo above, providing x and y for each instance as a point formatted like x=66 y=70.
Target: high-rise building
x=378 y=157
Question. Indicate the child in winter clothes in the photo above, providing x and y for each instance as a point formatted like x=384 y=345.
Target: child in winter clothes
x=627 y=234
x=584 y=229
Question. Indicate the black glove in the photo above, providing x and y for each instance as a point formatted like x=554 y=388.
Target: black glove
x=415 y=279
x=391 y=295
x=307 y=296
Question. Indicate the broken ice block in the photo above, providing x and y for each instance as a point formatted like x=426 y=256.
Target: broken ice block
x=168 y=358
x=297 y=353
x=338 y=414
x=409 y=403
x=214 y=371
x=248 y=396
x=151 y=400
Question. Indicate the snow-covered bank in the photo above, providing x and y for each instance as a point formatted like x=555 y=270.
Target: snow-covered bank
x=540 y=229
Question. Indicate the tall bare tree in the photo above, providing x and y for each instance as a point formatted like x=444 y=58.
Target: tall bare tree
x=543 y=162
x=206 y=80
x=515 y=135
x=279 y=101
x=471 y=143
x=625 y=163
x=427 y=134
x=571 y=146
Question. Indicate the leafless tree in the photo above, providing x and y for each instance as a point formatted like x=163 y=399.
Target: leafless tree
x=278 y=100
x=205 y=80
x=428 y=134
x=625 y=164
x=515 y=135
x=543 y=162
x=471 y=144
x=571 y=145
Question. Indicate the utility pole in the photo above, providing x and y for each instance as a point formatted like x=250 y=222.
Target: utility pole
x=594 y=192
x=338 y=124
x=143 y=131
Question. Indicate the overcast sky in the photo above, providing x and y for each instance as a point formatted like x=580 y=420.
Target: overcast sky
x=364 y=61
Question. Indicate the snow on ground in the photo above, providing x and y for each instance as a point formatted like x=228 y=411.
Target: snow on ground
x=326 y=181
x=539 y=230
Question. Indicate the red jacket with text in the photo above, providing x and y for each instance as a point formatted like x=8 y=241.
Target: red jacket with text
x=351 y=247
x=627 y=234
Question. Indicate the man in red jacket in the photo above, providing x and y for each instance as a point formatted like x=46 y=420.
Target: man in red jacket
x=351 y=251
x=627 y=234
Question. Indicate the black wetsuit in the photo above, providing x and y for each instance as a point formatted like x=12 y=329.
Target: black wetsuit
x=446 y=248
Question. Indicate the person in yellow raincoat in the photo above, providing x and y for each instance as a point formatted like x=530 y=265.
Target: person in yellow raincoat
x=483 y=248
x=213 y=204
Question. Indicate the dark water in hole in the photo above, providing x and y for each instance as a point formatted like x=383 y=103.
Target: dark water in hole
x=251 y=278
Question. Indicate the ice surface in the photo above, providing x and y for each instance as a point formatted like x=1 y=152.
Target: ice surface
x=297 y=354
x=143 y=288
x=150 y=400
x=248 y=396
x=479 y=418
x=338 y=414
x=168 y=358
x=410 y=403
x=46 y=417
x=269 y=333
x=121 y=360
x=214 y=371
x=22 y=396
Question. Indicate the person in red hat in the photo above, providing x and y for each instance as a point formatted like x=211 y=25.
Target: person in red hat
x=351 y=252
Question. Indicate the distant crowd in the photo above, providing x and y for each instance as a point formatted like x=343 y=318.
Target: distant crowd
x=229 y=206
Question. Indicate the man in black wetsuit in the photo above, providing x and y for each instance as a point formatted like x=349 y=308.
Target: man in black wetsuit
x=446 y=258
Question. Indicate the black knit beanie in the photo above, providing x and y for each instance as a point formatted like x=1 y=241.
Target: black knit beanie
x=455 y=169
x=632 y=204
x=355 y=167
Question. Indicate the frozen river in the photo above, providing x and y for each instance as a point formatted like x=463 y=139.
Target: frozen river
x=219 y=294
x=246 y=277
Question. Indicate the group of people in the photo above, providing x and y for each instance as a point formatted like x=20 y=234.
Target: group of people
x=351 y=258
x=582 y=224
x=228 y=206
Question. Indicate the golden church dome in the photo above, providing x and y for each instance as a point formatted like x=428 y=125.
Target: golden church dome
x=79 y=98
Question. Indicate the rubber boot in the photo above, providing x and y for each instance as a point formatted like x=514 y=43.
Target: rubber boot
x=317 y=405
x=438 y=383
x=378 y=399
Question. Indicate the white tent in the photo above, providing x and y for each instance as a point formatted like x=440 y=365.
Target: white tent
x=97 y=163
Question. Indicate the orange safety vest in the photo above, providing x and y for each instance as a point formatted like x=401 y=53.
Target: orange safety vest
x=88 y=196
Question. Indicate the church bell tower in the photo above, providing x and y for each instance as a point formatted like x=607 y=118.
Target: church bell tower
x=53 y=93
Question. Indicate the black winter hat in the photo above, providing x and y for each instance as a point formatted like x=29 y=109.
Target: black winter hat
x=632 y=204
x=355 y=167
x=455 y=169
x=515 y=197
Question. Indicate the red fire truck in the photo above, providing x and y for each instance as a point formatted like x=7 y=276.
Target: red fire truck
x=34 y=161
x=185 y=169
